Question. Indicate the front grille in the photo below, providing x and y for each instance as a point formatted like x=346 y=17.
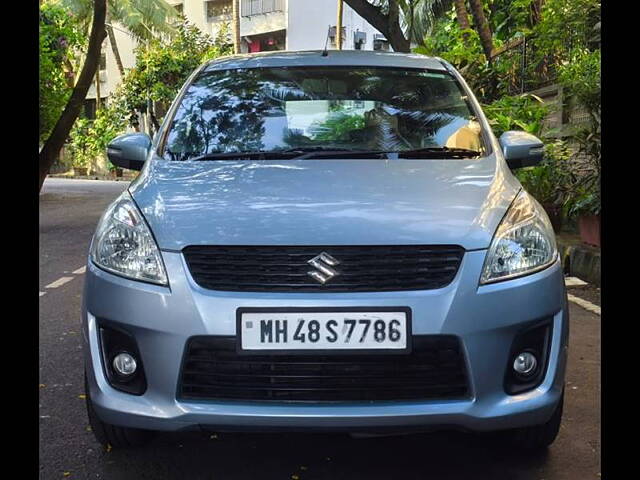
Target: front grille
x=212 y=370
x=361 y=269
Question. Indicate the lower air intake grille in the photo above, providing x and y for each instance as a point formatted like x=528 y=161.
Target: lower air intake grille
x=434 y=370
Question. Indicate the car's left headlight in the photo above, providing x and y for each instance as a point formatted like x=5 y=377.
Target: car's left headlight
x=524 y=242
x=123 y=244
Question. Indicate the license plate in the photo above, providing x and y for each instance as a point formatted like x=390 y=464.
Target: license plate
x=304 y=329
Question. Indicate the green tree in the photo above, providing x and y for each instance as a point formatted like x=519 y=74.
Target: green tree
x=581 y=79
x=63 y=125
x=144 y=18
x=60 y=39
x=161 y=69
x=89 y=139
x=563 y=46
x=481 y=24
x=163 y=65
x=419 y=17
x=462 y=17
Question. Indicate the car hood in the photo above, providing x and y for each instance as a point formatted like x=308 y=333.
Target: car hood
x=324 y=202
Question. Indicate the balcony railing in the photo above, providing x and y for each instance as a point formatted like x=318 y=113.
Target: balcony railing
x=249 y=8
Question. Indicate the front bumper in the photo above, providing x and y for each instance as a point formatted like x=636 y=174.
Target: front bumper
x=486 y=318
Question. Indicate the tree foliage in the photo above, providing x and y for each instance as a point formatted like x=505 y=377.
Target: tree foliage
x=551 y=181
x=566 y=28
x=144 y=19
x=562 y=46
x=557 y=31
x=337 y=127
x=581 y=78
x=61 y=38
x=522 y=112
x=89 y=139
x=162 y=67
x=151 y=16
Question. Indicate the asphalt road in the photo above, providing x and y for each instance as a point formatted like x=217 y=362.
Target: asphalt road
x=69 y=211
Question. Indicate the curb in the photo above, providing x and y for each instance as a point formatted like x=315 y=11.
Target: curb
x=91 y=177
x=580 y=260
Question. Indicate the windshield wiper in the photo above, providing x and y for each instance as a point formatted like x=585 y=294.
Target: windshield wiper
x=323 y=152
x=300 y=153
x=259 y=154
x=295 y=153
x=438 y=152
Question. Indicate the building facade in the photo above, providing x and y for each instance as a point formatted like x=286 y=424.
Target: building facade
x=264 y=25
x=284 y=24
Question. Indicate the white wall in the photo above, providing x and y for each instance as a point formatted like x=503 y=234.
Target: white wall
x=196 y=13
x=268 y=22
x=126 y=46
x=309 y=20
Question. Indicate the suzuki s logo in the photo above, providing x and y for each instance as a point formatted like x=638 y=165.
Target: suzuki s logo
x=322 y=264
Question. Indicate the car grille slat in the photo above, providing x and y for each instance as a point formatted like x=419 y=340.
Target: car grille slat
x=204 y=272
x=213 y=370
x=285 y=268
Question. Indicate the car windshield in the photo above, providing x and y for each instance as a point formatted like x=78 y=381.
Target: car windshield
x=301 y=109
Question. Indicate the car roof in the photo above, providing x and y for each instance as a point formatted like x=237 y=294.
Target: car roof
x=308 y=58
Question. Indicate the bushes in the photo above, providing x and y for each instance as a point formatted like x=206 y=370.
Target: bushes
x=560 y=180
x=522 y=112
x=581 y=78
x=80 y=144
x=550 y=182
x=89 y=139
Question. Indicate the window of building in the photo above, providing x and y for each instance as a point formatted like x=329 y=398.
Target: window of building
x=258 y=7
x=218 y=10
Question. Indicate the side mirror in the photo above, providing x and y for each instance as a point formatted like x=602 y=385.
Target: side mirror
x=521 y=149
x=129 y=150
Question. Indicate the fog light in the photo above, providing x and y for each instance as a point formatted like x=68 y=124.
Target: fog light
x=525 y=364
x=124 y=364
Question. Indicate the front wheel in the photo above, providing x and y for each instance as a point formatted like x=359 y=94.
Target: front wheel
x=112 y=435
x=539 y=437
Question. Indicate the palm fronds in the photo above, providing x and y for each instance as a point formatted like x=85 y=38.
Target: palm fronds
x=419 y=17
x=144 y=19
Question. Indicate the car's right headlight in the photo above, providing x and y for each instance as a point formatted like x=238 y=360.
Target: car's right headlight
x=123 y=244
x=523 y=243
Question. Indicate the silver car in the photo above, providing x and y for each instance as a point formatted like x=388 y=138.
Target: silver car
x=325 y=243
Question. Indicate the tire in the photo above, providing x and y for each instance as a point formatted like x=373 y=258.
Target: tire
x=113 y=436
x=539 y=437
